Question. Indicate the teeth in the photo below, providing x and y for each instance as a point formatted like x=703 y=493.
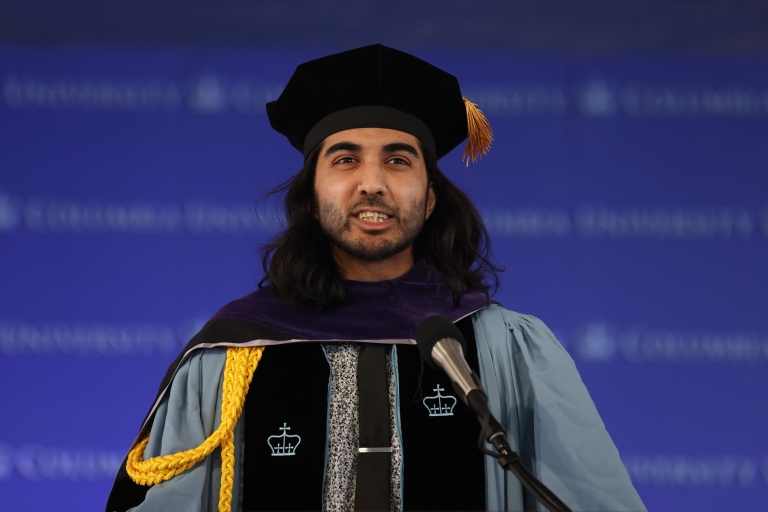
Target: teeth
x=372 y=216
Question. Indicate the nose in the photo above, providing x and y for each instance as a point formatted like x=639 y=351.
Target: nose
x=372 y=179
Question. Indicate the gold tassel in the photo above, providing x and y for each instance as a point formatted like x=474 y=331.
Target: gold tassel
x=480 y=134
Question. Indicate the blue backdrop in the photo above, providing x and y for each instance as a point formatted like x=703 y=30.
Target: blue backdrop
x=627 y=198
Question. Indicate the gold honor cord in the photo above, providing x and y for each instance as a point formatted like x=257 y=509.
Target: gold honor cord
x=238 y=373
x=479 y=133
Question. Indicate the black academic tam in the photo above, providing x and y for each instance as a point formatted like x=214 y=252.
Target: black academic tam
x=373 y=86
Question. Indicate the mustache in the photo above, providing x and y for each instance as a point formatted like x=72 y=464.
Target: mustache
x=374 y=202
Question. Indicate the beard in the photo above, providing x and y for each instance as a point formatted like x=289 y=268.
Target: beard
x=337 y=227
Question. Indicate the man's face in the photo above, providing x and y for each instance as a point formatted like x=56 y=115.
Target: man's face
x=373 y=195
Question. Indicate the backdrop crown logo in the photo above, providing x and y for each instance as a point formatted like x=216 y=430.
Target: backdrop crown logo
x=283 y=445
x=440 y=405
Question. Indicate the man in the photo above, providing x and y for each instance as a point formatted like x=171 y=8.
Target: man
x=341 y=413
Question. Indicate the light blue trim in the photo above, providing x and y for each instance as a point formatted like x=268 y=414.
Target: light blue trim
x=327 y=422
x=396 y=375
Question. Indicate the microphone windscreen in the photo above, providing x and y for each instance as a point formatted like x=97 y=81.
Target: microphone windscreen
x=433 y=329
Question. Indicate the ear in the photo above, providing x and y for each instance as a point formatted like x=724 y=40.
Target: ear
x=431 y=200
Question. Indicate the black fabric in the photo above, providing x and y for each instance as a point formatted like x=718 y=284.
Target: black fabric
x=369 y=116
x=373 y=391
x=125 y=493
x=372 y=484
x=373 y=75
x=372 y=481
x=432 y=330
x=289 y=389
x=443 y=469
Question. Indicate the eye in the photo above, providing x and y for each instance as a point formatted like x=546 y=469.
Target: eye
x=398 y=160
x=345 y=160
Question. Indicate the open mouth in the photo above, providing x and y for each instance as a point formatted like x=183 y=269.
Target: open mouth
x=372 y=216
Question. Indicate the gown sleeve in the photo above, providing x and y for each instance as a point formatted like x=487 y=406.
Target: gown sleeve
x=186 y=416
x=535 y=390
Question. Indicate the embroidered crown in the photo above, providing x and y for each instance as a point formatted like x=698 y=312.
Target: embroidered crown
x=440 y=405
x=283 y=444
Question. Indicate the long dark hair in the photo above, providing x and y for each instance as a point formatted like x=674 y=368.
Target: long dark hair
x=299 y=266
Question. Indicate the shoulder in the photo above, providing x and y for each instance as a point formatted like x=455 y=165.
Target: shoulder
x=497 y=314
x=203 y=360
x=245 y=305
x=495 y=320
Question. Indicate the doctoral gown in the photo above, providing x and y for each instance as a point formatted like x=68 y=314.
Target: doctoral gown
x=533 y=388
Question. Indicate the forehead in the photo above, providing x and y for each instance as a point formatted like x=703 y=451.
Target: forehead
x=372 y=138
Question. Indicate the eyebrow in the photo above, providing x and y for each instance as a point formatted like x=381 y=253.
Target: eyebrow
x=343 y=146
x=388 y=148
x=400 y=146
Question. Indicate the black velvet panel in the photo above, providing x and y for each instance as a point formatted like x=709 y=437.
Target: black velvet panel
x=290 y=387
x=443 y=469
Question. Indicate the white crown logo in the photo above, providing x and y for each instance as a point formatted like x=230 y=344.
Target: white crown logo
x=283 y=445
x=440 y=405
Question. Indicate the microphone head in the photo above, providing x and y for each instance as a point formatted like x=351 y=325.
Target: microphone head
x=433 y=329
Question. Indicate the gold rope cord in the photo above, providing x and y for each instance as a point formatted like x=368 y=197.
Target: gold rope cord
x=238 y=374
x=479 y=132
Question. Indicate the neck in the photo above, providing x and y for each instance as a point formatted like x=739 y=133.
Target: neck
x=355 y=269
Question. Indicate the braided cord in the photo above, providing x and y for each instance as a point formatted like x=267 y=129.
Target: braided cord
x=238 y=373
x=237 y=380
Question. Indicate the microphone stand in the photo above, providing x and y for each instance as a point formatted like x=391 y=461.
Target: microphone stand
x=493 y=433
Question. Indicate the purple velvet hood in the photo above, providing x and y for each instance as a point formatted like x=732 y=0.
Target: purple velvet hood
x=386 y=311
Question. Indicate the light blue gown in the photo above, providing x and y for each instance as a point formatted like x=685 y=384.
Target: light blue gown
x=533 y=388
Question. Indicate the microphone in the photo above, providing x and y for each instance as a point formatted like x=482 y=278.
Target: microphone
x=442 y=347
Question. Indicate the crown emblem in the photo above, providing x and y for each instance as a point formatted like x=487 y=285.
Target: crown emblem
x=440 y=405
x=283 y=445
